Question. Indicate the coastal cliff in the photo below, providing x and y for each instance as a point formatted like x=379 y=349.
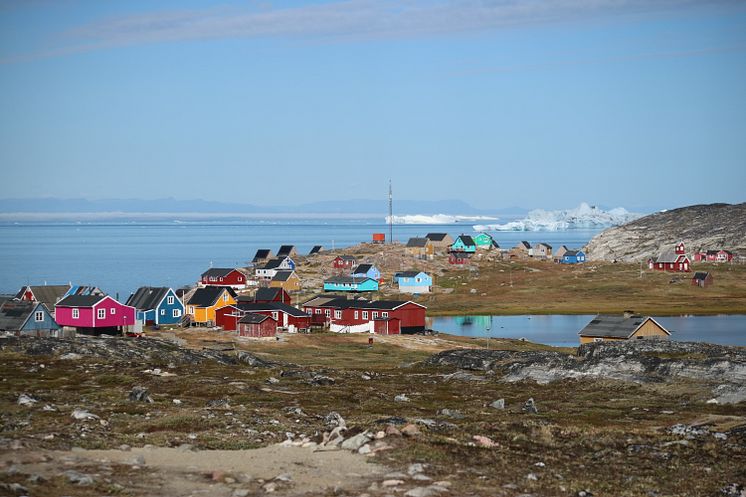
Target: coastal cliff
x=700 y=227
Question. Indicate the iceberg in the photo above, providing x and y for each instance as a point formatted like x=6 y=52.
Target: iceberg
x=583 y=216
x=437 y=219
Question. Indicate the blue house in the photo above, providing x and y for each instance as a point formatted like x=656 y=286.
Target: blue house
x=464 y=243
x=573 y=257
x=366 y=271
x=22 y=317
x=157 y=305
x=413 y=282
x=350 y=284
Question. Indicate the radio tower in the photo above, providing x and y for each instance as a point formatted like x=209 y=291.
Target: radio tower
x=391 y=216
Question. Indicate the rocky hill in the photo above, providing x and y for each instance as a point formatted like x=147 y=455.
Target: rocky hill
x=698 y=226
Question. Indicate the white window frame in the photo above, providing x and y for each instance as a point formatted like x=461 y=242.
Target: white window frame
x=365 y=315
x=356 y=315
x=176 y=313
x=225 y=297
x=113 y=311
x=39 y=316
x=163 y=312
x=275 y=316
x=76 y=313
x=328 y=312
x=170 y=300
x=100 y=313
x=337 y=314
x=385 y=314
x=375 y=314
x=190 y=310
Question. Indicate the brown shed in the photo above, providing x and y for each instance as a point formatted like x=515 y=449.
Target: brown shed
x=702 y=279
x=605 y=327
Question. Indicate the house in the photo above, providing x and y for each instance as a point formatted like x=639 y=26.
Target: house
x=344 y=315
x=203 y=303
x=95 y=314
x=287 y=279
x=256 y=326
x=268 y=271
x=419 y=247
x=702 y=279
x=714 y=256
x=484 y=241
x=316 y=249
x=671 y=260
x=413 y=281
x=459 y=258
x=542 y=251
x=560 y=252
x=521 y=251
x=285 y=316
x=262 y=256
x=157 y=305
x=344 y=262
x=48 y=295
x=573 y=257
x=287 y=251
x=28 y=318
x=85 y=290
x=464 y=243
x=350 y=284
x=264 y=295
x=628 y=326
x=217 y=276
x=441 y=241
x=366 y=271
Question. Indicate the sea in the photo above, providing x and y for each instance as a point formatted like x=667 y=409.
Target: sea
x=121 y=256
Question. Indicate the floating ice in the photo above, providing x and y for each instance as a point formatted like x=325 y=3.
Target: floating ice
x=583 y=216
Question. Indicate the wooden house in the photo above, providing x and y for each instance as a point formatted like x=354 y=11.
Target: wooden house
x=464 y=243
x=95 y=314
x=350 y=284
x=560 y=252
x=48 y=295
x=366 y=271
x=157 y=306
x=671 y=260
x=262 y=256
x=628 y=326
x=344 y=315
x=287 y=279
x=27 y=318
x=264 y=295
x=285 y=316
x=268 y=270
x=702 y=279
x=441 y=241
x=413 y=282
x=287 y=251
x=714 y=256
x=204 y=302
x=217 y=276
x=572 y=257
x=316 y=249
x=522 y=250
x=344 y=262
x=484 y=241
x=459 y=258
x=542 y=251
x=256 y=326
x=419 y=247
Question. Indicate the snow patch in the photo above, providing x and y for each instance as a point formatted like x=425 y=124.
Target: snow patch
x=583 y=216
x=438 y=219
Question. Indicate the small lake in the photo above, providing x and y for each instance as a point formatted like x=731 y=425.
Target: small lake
x=562 y=330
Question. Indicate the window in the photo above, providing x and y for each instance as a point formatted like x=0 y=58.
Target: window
x=598 y=339
x=101 y=313
x=39 y=316
x=275 y=315
x=170 y=300
x=76 y=313
x=418 y=280
x=365 y=314
x=328 y=312
x=385 y=314
x=356 y=315
x=225 y=297
x=190 y=309
x=318 y=311
x=375 y=314
x=221 y=278
x=163 y=312
x=112 y=311
x=176 y=313
x=338 y=314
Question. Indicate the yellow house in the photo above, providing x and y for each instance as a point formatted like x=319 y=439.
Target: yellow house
x=205 y=301
x=287 y=280
x=628 y=326
x=419 y=247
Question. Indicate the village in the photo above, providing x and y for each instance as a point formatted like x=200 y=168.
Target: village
x=375 y=287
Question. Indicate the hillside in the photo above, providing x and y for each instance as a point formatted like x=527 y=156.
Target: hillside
x=698 y=226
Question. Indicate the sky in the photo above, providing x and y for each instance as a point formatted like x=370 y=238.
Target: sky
x=536 y=103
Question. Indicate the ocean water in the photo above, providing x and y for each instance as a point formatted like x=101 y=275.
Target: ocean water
x=119 y=257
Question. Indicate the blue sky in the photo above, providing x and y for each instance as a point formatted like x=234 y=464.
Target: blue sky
x=532 y=103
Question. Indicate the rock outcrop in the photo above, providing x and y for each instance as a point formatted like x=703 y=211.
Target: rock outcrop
x=713 y=226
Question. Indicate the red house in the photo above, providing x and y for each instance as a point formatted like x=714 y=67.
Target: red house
x=671 y=260
x=366 y=316
x=459 y=258
x=257 y=325
x=285 y=316
x=224 y=277
x=714 y=256
x=344 y=262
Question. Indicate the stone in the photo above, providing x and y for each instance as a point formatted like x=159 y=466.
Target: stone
x=365 y=449
x=498 y=404
x=240 y=492
x=272 y=380
x=321 y=380
x=217 y=403
x=334 y=419
x=392 y=431
x=421 y=477
x=77 y=478
x=429 y=491
x=269 y=487
x=401 y=398
x=356 y=441
x=530 y=407
x=451 y=413
x=82 y=415
x=176 y=402
x=217 y=475
x=26 y=400
x=140 y=394
x=411 y=430
x=392 y=483
x=393 y=420
x=138 y=460
x=584 y=493
x=532 y=477
x=15 y=488
x=482 y=441
x=733 y=490
x=415 y=468
x=430 y=423
x=284 y=477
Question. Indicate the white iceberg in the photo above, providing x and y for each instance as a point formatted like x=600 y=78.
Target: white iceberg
x=583 y=216
x=437 y=219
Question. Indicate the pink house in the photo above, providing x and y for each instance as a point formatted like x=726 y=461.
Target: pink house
x=94 y=313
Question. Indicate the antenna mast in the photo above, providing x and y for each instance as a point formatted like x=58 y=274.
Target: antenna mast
x=391 y=215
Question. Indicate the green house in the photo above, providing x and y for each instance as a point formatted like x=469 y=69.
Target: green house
x=484 y=241
x=464 y=243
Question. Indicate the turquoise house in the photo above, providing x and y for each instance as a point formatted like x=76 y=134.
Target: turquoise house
x=484 y=241
x=366 y=271
x=413 y=281
x=464 y=243
x=350 y=284
x=573 y=257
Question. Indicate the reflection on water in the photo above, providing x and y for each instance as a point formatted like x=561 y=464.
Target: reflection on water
x=562 y=330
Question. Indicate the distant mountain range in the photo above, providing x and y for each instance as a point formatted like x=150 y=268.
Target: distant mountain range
x=170 y=205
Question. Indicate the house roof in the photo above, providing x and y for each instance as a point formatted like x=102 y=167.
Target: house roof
x=271 y=306
x=15 y=313
x=544 y=244
x=209 y=295
x=417 y=242
x=85 y=290
x=262 y=254
x=436 y=237
x=467 y=240
x=407 y=274
x=316 y=249
x=147 y=297
x=669 y=256
x=337 y=302
x=462 y=255
x=320 y=300
x=46 y=294
x=700 y=275
x=363 y=269
x=615 y=326
x=274 y=263
x=570 y=253
x=253 y=318
x=285 y=250
x=218 y=272
x=346 y=257
x=524 y=244
x=283 y=275
x=347 y=279
x=266 y=293
x=80 y=300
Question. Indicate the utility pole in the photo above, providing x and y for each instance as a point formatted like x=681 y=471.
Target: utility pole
x=391 y=215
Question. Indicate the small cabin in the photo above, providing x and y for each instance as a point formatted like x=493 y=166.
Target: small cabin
x=413 y=281
x=464 y=243
x=627 y=326
x=366 y=271
x=572 y=257
x=484 y=241
x=344 y=262
x=459 y=258
x=316 y=249
x=702 y=279
x=256 y=326
x=440 y=241
x=224 y=277
x=287 y=251
x=287 y=279
x=262 y=256
x=419 y=247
